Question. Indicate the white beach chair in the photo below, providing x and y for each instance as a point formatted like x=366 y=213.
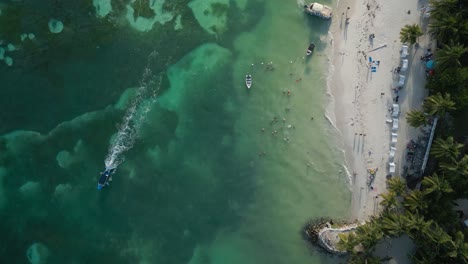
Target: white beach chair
x=394 y=138
x=404 y=51
x=401 y=81
x=392 y=152
x=404 y=65
x=395 y=124
x=396 y=110
x=392 y=167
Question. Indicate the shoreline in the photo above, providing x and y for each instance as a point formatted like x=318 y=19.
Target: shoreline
x=360 y=99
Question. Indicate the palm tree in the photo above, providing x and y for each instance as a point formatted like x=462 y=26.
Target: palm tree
x=440 y=9
x=410 y=33
x=347 y=242
x=462 y=247
x=389 y=200
x=438 y=240
x=456 y=167
x=416 y=118
x=417 y=226
x=449 y=56
x=415 y=202
x=446 y=149
x=438 y=104
x=397 y=185
x=451 y=27
x=436 y=187
x=393 y=224
x=369 y=235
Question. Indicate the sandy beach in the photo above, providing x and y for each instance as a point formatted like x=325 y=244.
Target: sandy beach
x=363 y=98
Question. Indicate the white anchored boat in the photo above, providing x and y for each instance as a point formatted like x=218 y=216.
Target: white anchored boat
x=319 y=10
x=310 y=49
x=248 y=81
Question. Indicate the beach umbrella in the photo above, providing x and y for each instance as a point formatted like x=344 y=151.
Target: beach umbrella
x=430 y=64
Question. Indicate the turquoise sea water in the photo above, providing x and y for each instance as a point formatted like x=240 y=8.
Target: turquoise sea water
x=201 y=183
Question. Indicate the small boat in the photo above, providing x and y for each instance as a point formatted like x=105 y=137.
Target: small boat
x=105 y=178
x=319 y=10
x=248 y=81
x=311 y=48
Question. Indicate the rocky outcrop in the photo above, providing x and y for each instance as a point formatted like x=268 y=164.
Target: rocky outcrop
x=320 y=232
x=328 y=237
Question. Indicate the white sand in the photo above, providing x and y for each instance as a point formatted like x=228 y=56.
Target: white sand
x=360 y=108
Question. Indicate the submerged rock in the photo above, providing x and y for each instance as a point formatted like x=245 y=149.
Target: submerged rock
x=62 y=189
x=8 y=61
x=103 y=7
x=313 y=228
x=55 y=26
x=30 y=189
x=37 y=253
x=63 y=159
x=178 y=23
x=11 y=47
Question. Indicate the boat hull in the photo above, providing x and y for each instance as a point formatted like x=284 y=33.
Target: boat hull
x=248 y=81
x=316 y=9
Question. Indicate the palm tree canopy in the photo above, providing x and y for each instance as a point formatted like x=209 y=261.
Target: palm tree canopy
x=397 y=185
x=446 y=149
x=457 y=167
x=410 y=34
x=451 y=27
x=415 y=202
x=440 y=9
x=393 y=224
x=449 y=56
x=438 y=104
x=389 y=200
x=369 y=235
x=347 y=242
x=436 y=186
x=416 y=118
x=416 y=225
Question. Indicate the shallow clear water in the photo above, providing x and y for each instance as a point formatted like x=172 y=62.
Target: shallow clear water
x=202 y=182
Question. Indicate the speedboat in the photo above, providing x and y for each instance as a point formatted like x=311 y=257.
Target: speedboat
x=105 y=178
x=319 y=10
x=311 y=48
x=248 y=81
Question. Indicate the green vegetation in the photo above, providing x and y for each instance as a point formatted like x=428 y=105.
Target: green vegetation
x=416 y=118
x=427 y=215
x=410 y=34
x=450 y=56
x=449 y=27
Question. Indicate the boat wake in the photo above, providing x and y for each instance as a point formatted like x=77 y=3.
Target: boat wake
x=134 y=116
